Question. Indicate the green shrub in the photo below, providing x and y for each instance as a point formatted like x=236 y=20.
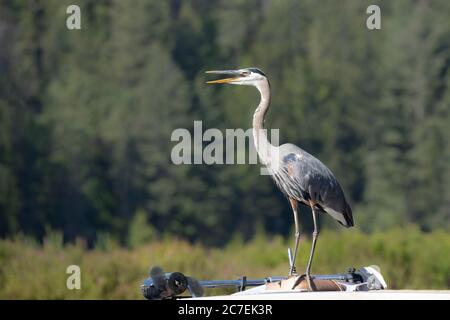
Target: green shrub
x=408 y=258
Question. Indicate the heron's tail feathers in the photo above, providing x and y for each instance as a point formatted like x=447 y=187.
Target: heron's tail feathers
x=348 y=216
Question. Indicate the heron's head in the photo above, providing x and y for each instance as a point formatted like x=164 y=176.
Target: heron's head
x=247 y=76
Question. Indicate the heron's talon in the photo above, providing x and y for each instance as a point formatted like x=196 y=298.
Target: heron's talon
x=302 y=277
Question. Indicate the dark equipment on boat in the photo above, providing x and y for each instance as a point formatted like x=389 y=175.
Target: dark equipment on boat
x=160 y=285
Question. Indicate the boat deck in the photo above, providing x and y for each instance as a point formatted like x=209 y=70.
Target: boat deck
x=337 y=295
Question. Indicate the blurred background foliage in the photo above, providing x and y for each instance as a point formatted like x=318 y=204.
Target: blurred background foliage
x=408 y=258
x=86 y=118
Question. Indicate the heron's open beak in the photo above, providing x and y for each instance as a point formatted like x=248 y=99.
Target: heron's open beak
x=234 y=73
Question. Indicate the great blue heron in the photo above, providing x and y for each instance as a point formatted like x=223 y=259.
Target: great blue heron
x=301 y=177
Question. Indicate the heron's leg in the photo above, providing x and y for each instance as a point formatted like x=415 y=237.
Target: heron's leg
x=294 y=205
x=313 y=247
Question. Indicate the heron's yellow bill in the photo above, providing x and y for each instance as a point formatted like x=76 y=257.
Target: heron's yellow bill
x=226 y=80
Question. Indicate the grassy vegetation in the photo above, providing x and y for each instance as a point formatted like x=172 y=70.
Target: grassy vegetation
x=408 y=259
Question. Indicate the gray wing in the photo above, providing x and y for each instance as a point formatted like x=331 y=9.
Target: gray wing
x=303 y=177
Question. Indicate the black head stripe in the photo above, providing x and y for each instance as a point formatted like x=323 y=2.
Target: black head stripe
x=256 y=70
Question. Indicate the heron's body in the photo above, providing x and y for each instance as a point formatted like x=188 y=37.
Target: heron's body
x=303 y=177
x=299 y=175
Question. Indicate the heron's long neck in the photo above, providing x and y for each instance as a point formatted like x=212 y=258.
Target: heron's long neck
x=262 y=144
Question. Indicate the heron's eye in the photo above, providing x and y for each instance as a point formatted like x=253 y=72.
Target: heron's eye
x=245 y=73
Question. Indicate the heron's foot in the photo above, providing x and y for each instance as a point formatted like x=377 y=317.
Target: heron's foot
x=301 y=278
